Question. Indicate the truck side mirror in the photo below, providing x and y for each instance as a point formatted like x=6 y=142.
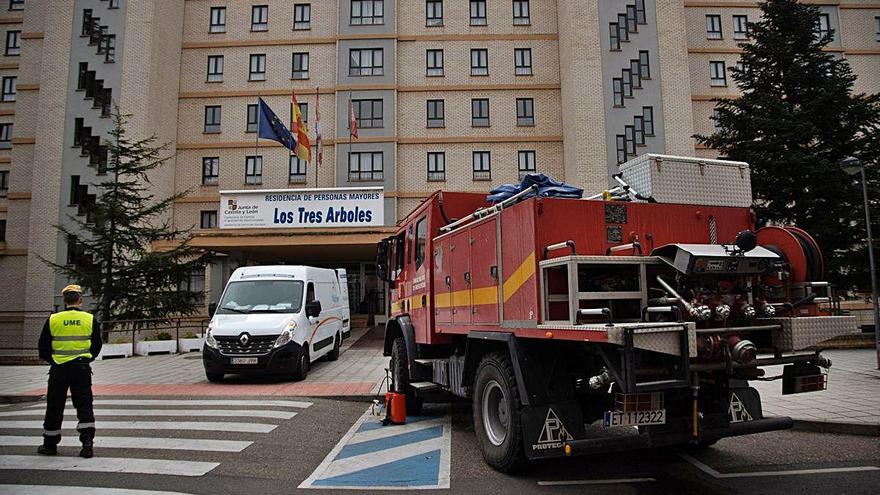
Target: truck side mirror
x=313 y=308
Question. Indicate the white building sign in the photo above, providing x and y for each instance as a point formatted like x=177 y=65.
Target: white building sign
x=302 y=208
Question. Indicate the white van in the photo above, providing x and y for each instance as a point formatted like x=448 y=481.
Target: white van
x=277 y=319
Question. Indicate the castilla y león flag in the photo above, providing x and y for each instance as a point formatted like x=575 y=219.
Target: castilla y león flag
x=303 y=149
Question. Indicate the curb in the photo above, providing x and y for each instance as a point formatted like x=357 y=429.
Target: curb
x=861 y=429
x=19 y=399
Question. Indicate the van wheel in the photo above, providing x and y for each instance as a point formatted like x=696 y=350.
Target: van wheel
x=214 y=377
x=302 y=366
x=496 y=408
x=400 y=377
x=334 y=354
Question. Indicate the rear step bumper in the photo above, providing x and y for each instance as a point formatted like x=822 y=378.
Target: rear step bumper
x=644 y=441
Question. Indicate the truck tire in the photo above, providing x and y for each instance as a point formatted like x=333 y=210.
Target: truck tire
x=333 y=355
x=400 y=377
x=214 y=377
x=302 y=366
x=496 y=408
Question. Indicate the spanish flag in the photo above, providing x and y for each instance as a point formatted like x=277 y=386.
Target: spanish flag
x=303 y=149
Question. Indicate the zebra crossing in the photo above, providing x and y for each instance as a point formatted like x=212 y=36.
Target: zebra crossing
x=173 y=437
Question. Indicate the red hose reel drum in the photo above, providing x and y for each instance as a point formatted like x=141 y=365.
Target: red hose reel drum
x=798 y=248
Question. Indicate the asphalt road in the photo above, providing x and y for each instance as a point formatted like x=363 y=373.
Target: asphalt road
x=288 y=443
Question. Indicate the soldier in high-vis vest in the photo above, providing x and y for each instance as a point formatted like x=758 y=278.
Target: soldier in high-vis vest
x=69 y=342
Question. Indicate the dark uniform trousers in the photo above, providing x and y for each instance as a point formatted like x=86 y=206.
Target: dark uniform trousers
x=76 y=376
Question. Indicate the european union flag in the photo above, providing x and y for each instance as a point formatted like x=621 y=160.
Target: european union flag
x=272 y=128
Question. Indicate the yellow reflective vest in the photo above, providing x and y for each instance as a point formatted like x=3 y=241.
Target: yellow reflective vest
x=71 y=335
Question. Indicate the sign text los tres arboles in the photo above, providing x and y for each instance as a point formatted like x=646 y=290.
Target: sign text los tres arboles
x=302 y=208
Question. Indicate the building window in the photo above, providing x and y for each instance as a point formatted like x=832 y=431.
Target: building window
x=717 y=73
x=300 y=66
x=436 y=116
x=641 y=15
x=365 y=166
x=215 y=68
x=630 y=135
x=632 y=24
x=480 y=112
x=482 y=164
x=6 y=135
x=253 y=169
x=210 y=170
x=302 y=16
x=620 y=144
x=627 y=85
x=622 y=27
x=209 y=219
x=253 y=114
x=218 y=20
x=4 y=183
x=108 y=46
x=113 y=4
x=740 y=27
x=713 y=27
x=614 y=35
x=644 y=65
x=522 y=59
x=297 y=170
x=3 y=230
x=478 y=13
x=521 y=12
x=434 y=13
x=368 y=113
x=367 y=12
x=260 y=18
x=525 y=162
x=13 y=43
x=617 y=89
x=304 y=112
x=258 y=67
x=716 y=119
x=366 y=62
x=525 y=112
x=648 y=117
x=639 y=126
x=824 y=27
x=16 y=4
x=877 y=27
x=9 y=84
x=434 y=62
x=479 y=62
x=436 y=166
x=635 y=73
x=212 y=119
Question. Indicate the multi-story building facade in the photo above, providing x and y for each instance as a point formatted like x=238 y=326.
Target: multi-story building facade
x=447 y=94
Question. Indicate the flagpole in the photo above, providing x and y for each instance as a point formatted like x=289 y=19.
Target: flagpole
x=348 y=117
x=290 y=151
x=317 y=136
x=257 y=140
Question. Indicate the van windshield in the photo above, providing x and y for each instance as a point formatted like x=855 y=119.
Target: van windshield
x=262 y=296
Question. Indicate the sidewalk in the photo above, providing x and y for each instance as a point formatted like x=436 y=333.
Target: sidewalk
x=357 y=373
x=850 y=405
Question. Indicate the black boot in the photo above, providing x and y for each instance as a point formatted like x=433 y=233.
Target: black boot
x=87 y=450
x=46 y=449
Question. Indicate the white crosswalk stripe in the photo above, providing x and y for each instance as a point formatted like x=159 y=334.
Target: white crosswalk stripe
x=227 y=426
x=191 y=413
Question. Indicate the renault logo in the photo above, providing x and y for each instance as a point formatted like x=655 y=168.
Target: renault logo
x=244 y=339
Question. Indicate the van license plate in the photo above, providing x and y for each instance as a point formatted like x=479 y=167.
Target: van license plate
x=635 y=418
x=244 y=360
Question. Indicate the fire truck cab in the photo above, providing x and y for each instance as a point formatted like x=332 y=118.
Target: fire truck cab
x=564 y=320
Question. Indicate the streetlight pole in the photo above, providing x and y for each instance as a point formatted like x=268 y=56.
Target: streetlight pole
x=849 y=166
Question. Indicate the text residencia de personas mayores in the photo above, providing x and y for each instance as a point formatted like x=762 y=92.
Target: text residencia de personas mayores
x=336 y=196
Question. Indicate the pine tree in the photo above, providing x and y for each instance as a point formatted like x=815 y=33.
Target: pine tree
x=796 y=119
x=117 y=262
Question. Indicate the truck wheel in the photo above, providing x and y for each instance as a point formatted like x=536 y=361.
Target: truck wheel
x=400 y=377
x=214 y=377
x=497 y=420
x=302 y=366
x=333 y=355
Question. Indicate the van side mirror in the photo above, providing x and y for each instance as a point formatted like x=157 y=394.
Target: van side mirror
x=212 y=308
x=313 y=308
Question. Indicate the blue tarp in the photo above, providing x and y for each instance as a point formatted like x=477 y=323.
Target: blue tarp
x=548 y=187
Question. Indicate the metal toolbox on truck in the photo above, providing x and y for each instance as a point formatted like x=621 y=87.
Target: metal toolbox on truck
x=802 y=332
x=693 y=181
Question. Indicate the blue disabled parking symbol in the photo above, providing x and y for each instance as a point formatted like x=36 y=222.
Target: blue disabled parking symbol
x=395 y=457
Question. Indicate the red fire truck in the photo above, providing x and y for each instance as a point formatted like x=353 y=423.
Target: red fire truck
x=568 y=322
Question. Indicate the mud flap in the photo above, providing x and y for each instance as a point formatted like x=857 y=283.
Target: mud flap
x=547 y=428
x=744 y=404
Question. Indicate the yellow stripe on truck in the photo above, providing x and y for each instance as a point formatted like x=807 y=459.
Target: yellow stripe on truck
x=519 y=277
